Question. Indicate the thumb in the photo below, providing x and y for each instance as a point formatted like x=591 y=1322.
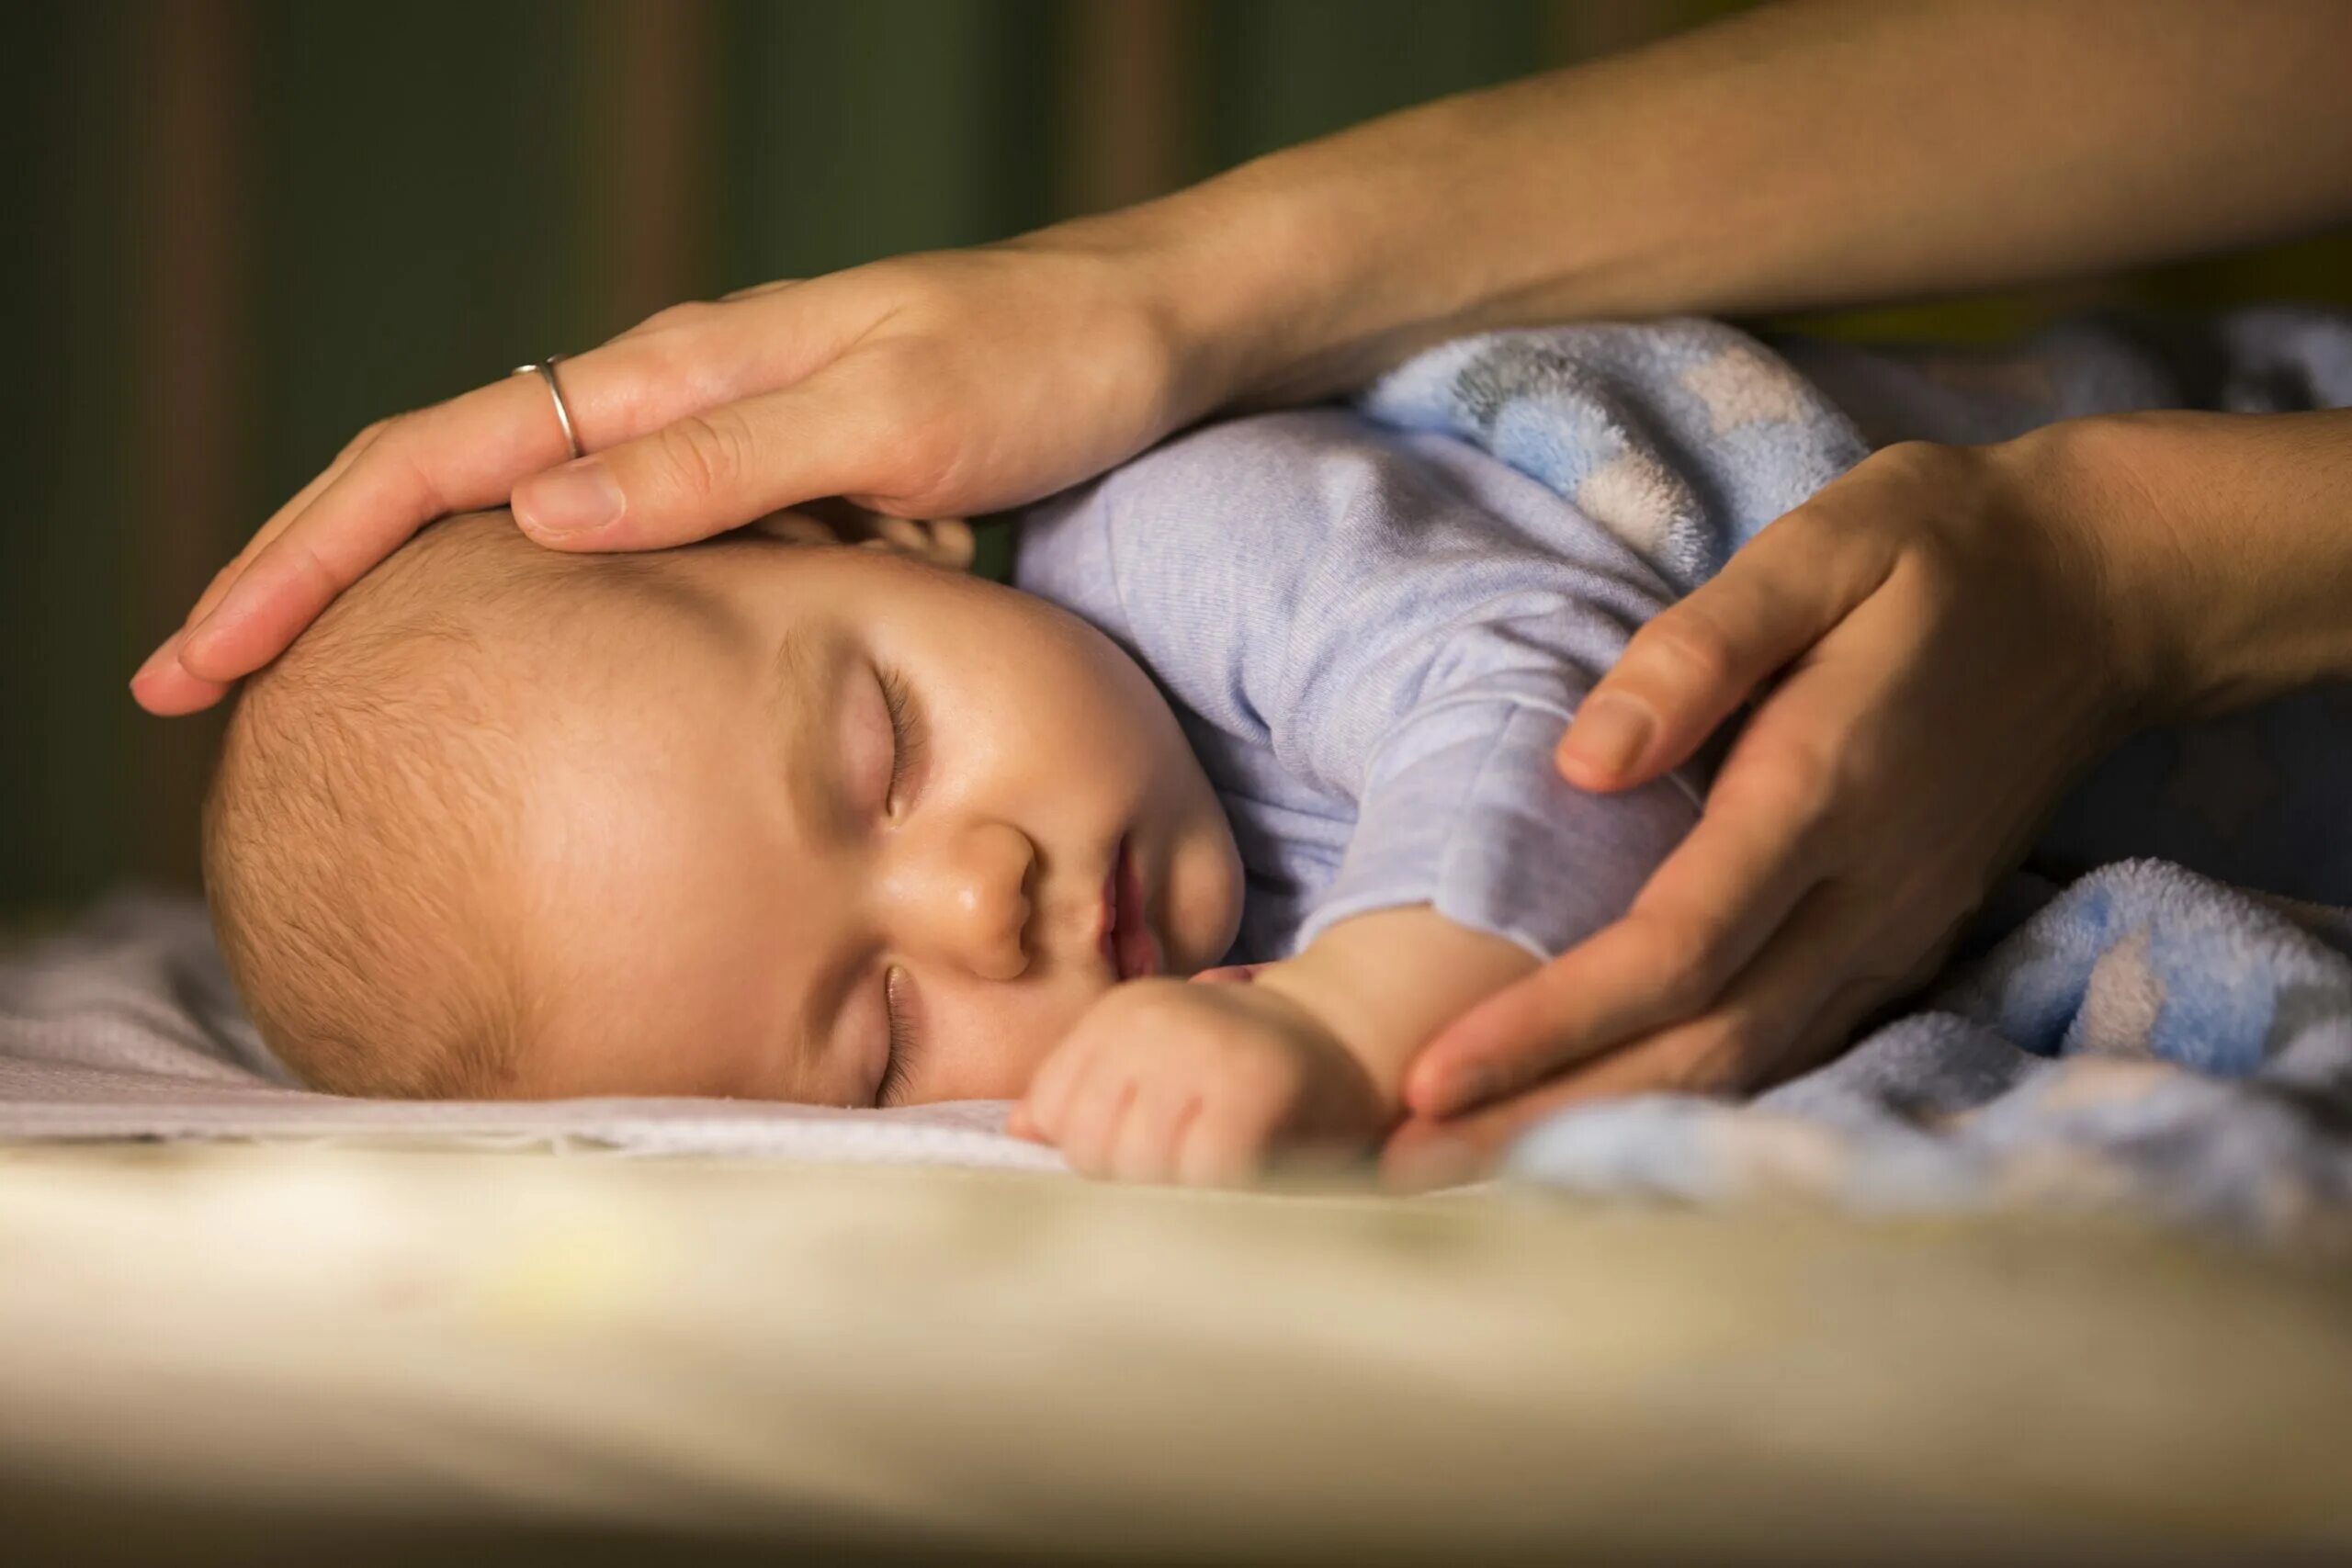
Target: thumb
x=721 y=467
x=1687 y=670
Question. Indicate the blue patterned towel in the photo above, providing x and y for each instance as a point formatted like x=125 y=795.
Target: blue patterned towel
x=2170 y=1035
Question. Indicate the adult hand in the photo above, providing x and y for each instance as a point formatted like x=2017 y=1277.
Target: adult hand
x=941 y=385
x=1952 y=642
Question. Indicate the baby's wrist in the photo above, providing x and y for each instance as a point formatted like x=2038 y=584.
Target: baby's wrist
x=1384 y=982
x=1315 y=991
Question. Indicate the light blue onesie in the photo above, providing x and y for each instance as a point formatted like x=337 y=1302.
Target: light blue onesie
x=1376 y=631
x=1373 y=639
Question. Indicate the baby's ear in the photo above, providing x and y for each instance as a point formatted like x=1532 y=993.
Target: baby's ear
x=942 y=541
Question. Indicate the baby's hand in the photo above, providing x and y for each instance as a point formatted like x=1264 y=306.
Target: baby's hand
x=1165 y=1081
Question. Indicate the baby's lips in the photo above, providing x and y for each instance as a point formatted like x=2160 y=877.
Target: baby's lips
x=1228 y=975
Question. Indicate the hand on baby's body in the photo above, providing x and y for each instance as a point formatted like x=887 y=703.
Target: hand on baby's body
x=942 y=385
x=1201 y=1084
x=1937 y=645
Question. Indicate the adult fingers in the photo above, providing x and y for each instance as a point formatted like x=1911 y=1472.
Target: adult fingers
x=1685 y=671
x=278 y=520
x=164 y=688
x=162 y=685
x=1760 y=1024
x=758 y=289
x=471 y=451
x=1792 y=1007
x=1425 y=1152
x=460 y=455
x=690 y=313
x=848 y=429
x=1768 y=834
x=1704 y=912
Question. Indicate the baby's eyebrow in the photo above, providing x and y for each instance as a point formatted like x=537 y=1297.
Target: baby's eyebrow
x=799 y=704
x=789 y=671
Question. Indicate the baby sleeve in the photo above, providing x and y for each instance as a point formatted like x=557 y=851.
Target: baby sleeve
x=1462 y=808
x=1406 y=626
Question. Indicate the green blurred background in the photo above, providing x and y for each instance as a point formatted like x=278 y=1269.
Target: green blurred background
x=244 y=228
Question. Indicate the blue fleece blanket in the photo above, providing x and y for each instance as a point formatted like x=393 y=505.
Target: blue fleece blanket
x=2167 y=1033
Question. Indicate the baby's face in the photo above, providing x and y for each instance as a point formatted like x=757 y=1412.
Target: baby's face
x=838 y=827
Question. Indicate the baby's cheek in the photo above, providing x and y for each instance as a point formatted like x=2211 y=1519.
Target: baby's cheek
x=1205 y=901
x=999 y=1041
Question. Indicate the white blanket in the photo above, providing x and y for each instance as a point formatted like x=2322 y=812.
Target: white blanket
x=125 y=1026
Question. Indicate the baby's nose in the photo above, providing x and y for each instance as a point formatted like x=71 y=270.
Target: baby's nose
x=967 y=901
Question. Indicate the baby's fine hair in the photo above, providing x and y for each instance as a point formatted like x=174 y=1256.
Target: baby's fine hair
x=368 y=786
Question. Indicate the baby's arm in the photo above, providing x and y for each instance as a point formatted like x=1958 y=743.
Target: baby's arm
x=1404 y=628
x=1205 y=1083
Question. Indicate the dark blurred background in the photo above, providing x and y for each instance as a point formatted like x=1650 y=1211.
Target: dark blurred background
x=241 y=228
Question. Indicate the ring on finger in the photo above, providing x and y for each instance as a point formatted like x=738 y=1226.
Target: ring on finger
x=545 y=370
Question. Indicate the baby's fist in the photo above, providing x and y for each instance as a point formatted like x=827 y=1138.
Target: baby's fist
x=1165 y=1081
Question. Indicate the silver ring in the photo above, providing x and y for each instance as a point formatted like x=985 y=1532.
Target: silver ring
x=545 y=370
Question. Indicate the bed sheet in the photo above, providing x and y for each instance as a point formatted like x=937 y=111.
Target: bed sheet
x=935 y=1361
x=125 y=1025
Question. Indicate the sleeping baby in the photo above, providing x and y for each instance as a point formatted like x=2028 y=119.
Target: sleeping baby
x=783 y=816
x=786 y=816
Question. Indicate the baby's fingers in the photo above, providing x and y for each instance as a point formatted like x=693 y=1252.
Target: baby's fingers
x=1045 y=1106
x=1227 y=1141
x=1145 y=1144
x=1089 y=1127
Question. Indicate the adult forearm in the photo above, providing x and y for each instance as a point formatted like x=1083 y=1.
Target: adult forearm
x=1816 y=153
x=2228 y=539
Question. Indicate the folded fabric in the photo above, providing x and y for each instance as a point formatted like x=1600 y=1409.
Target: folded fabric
x=125 y=1026
x=2151 y=1040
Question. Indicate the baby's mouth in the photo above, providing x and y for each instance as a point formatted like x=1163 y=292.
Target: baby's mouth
x=1128 y=942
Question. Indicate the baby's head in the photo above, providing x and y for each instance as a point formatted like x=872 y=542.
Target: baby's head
x=753 y=818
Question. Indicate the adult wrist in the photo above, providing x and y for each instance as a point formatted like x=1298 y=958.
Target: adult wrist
x=1239 y=284
x=2082 y=484
x=2225 y=549
x=1310 y=271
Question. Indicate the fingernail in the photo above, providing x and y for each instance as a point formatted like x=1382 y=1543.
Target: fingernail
x=195 y=639
x=1609 y=733
x=160 y=657
x=569 y=500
